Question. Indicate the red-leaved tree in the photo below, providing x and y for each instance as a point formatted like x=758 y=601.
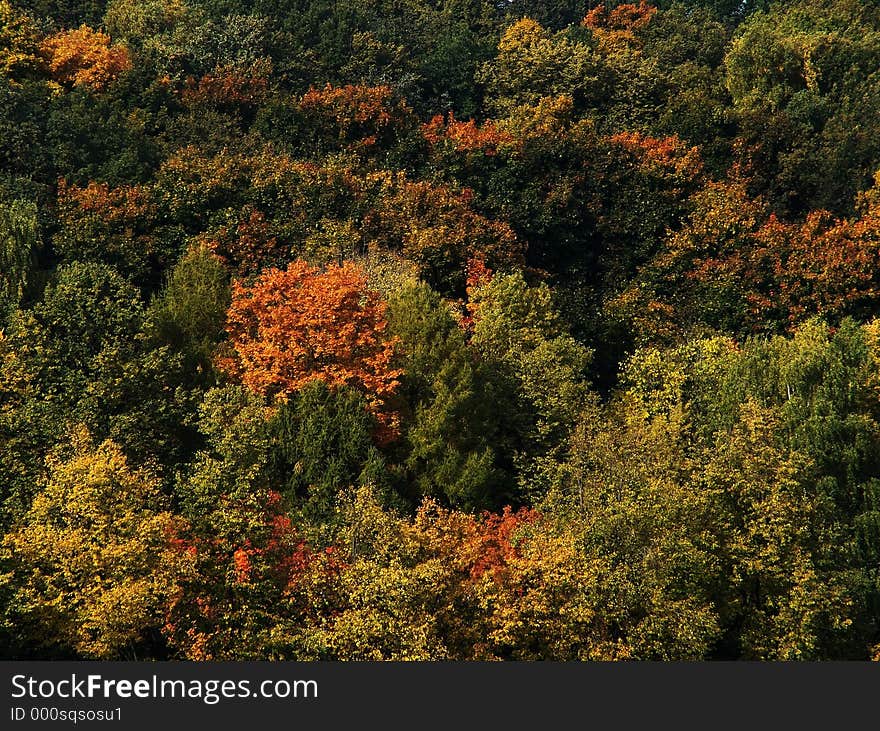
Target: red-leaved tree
x=303 y=324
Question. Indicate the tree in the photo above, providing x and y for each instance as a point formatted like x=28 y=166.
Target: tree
x=190 y=311
x=466 y=136
x=783 y=600
x=95 y=561
x=447 y=585
x=256 y=581
x=197 y=44
x=80 y=356
x=453 y=413
x=806 y=99
x=540 y=595
x=25 y=158
x=355 y=116
x=19 y=43
x=407 y=588
x=533 y=63
x=135 y=22
x=322 y=443
x=773 y=427
x=84 y=57
x=737 y=267
x=682 y=287
x=518 y=330
x=19 y=241
x=438 y=228
x=67 y=13
x=301 y=324
x=624 y=492
x=116 y=226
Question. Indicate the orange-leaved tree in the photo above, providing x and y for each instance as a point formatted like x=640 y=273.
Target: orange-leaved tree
x=229 y=86
x=357 y=116
x=304 y=324
x=84 y=57
x=466 y=136
x=618 y=26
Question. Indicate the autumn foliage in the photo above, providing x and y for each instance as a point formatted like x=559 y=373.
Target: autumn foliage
x=302 y=324
x=439 y=330
x=620 y=24
x=115 y=206
x=438 y=229
x=626 y=16
x=667 y=153
x=222 y=611
x=84 y=57
x=358 y=115
x=466 y=136
x=772 y=273
x=822 y=266
x=247 y=243
x=229 y=86
x=113 y=224
x=98 y=517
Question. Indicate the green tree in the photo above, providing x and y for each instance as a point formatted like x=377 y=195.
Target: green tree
x=80 y=356
x=803 y=80
x=136 y=23
x=67 y=13
x=323 y=441
x=519 y=331
x=19 y=43
x=453 y=433
x=777 y=427
x=19 y=243
x=782 y=595
x=624 y=493
x=256 y=582
x=189 y=313
x=533 y=63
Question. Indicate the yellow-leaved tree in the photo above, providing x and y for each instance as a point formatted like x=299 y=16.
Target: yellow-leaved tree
x=84 y=57
x=95 y=561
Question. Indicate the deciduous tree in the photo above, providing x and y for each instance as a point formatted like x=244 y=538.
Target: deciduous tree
x=84 y=57
x=96 y=560
x=302 y=324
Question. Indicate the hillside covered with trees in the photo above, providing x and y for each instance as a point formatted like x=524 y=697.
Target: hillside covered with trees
x=439 y=329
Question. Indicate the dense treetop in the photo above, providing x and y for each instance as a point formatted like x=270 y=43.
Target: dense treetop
x=439 y=330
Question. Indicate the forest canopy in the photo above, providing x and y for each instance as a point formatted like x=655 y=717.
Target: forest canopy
x=449 y=330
